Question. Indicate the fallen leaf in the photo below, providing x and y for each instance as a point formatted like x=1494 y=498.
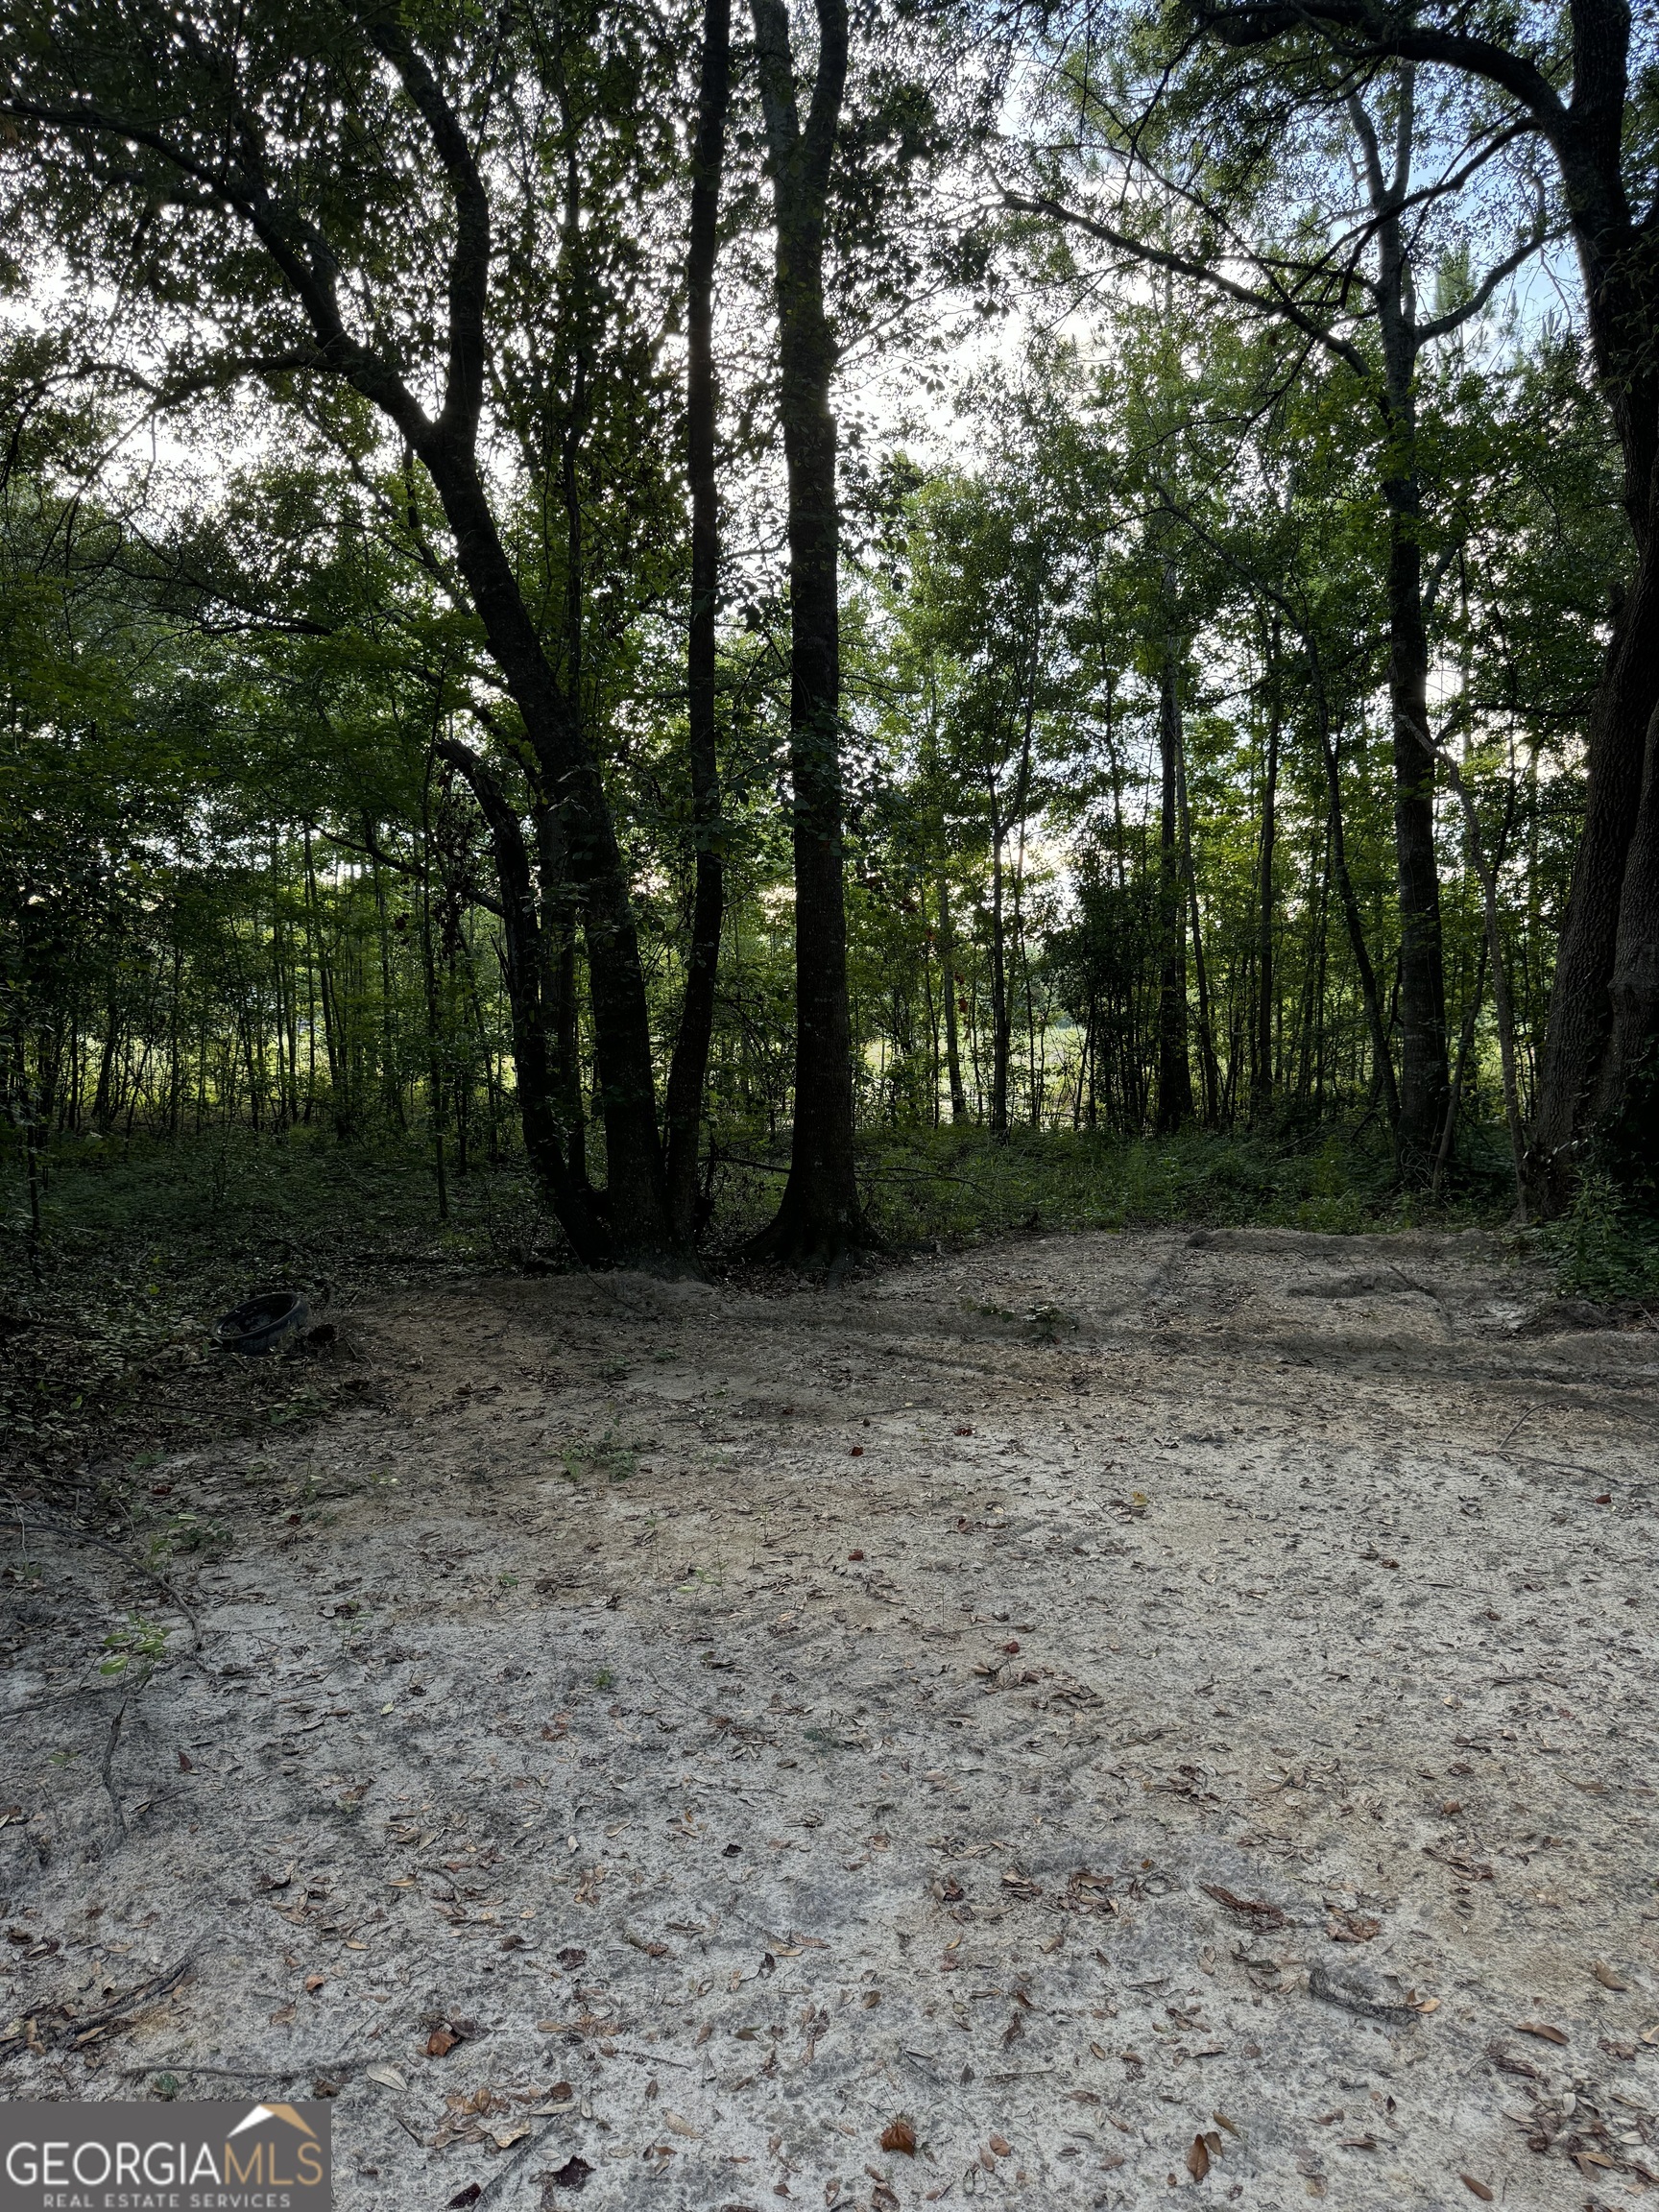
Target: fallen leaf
x=387 y=2077
x=1607 y=1978
x=185 y=1765
x=1001 y=2145
x=1199 y=2159
x=1540 y=2027
x=282 y=2017
x=899 y=2135
x=572 y=2175
x=1476 y=2188
x=439 y=2043
x=681 y=2126
x=465 y=2196
x=314 y=1983
x=854 y=1554
x=1249 y=1908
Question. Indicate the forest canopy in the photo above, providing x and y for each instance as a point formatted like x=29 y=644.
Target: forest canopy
x=611 y=588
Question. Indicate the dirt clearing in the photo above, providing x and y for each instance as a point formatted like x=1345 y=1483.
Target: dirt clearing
x=1088 y=1717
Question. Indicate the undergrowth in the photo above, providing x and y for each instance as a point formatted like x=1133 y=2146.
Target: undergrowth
x=954 y=1185
x=103 y=1326
x=1602 y=1249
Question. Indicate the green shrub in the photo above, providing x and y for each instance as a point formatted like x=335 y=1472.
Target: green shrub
x=1600 y=1249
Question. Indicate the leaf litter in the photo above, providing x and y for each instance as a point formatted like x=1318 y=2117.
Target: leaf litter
x=973 y=1862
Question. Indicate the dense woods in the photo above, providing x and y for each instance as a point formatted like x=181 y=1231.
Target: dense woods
x=606 y=588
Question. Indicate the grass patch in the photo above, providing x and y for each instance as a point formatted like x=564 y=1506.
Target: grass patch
x=952 y=1185
x=144 y=1244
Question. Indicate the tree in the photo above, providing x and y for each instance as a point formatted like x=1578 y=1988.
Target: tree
x=689 y=1071
x=819 y=1218
x=293 y=179
x=1562 y=75
x=1348 y=286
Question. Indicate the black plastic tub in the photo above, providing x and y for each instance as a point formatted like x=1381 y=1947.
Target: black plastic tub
x=263 y=1325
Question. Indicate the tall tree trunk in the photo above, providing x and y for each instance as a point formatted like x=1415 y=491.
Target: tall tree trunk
x=333 y=1037
x=1001 y=1013
x=1423 y=1071
x=1598 y=1088
x=175 y=1071
x=1460 y=1072
x=430 y=976
x=1588 y=1063
x=1262 y=1073
x=558 y=1020
x=1502 y=1004
x=1174 y=1067
x=1207 y=1064
x=635 y=1207
x=688 y=1071
x=1383 y=1058
x=819 y=1217
x=391 y=1084
x=104 y=1091
x=1423 y=1068
x=545 y=1081
x=1423 y=980
x=1626 y=1108
x=948 y=985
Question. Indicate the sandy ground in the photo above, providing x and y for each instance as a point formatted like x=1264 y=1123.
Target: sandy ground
x=1116 y=1713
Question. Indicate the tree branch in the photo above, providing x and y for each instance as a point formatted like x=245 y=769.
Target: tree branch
x=1386 y=36
x=1278 y=304
x=1454 y=318
x=470 y=262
